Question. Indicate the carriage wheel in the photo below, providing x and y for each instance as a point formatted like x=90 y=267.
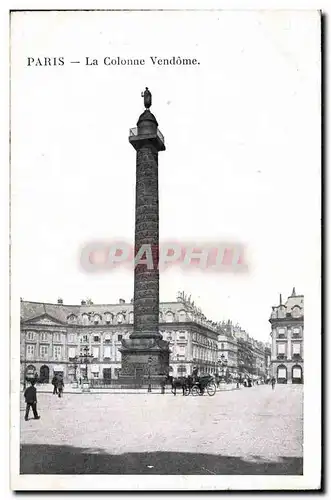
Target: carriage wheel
x=211 y=389
x=195 y=391
x=187 y=391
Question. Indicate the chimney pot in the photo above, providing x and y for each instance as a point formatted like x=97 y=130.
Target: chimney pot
x=83 y=302
x=60 y=301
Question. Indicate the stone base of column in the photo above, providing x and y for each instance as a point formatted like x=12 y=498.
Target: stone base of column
x=143 y=358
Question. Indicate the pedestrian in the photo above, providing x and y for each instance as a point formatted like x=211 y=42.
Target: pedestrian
x=60 y=387
x=80 y=381
x=30 y=395
x=273 y=382
x=54 y=383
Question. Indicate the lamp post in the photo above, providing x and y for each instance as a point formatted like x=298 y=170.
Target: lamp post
x=150 y=360
x=86 y=357
x=223 y=362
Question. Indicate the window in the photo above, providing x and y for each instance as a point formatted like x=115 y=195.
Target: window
x=120 y=318
x=296 y=350
x=30 y=335
x=106 y=352
x=71 y=337
x=43 y=337
x=95 y=352
x=57 y=337
x=72 y=318
x=296 y=373
x=97 y=319
x=131 y=317
x=43 y=351
x=107 y=338
x=57 y=352
x=222 y=346
x=96 y=338
x=296 y=333
x=85 y=319
x=281 y=333
x=182 y=335
x=108 y=318
x=281 y=372
x=72 y=352
x=182 y=316
x=119 y=337
x=281 y=348
x=30 y=351
x=84 y=338
x=181 y=369
x=169 y=317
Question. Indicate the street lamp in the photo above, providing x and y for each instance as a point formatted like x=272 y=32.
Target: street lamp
x=150 y=360
x=86 y=357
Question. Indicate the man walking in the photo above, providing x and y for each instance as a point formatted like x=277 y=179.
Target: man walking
x=54 y=383
x=273 y=382
x=60 y=386
x=30 y=395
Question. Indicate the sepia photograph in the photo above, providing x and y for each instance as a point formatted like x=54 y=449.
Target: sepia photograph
x=165 y=227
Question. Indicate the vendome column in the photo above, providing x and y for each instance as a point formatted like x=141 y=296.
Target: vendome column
x=145 y=354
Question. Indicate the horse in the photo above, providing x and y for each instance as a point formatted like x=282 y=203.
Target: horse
x=180 y=383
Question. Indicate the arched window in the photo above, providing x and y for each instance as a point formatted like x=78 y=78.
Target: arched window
x=108 y=318
x=296 y=311
x=182 y=316
x=97 y=319
x=296 y=374
x=72 y=319
x=281 y=374
x=85 y=319
x=169 y=317
x=120 y=318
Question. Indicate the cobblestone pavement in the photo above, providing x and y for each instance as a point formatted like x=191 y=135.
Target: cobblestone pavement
x=249 y=431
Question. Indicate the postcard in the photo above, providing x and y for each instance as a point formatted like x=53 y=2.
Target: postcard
x=165 y=207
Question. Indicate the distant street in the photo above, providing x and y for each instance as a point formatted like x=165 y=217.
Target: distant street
x=247 y=431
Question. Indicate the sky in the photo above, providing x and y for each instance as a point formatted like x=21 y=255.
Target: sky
x=242 y=159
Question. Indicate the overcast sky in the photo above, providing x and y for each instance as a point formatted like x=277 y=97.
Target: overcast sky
x=242 y=161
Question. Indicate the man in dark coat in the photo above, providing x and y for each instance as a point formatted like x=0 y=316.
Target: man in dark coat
x=54 y=383
x=30 y=395
x=60 y=386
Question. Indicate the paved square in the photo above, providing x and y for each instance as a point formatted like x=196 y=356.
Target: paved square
x=248 y=431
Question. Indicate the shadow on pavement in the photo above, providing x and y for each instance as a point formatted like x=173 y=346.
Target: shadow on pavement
x=50 y=459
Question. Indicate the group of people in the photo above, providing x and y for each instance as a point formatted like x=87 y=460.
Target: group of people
x=58 y=385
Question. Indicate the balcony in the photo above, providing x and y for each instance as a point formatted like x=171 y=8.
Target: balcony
x=281 y=356
x=133 y=132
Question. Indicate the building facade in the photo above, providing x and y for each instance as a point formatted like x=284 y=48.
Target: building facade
x=287 y=347
x=53 y=336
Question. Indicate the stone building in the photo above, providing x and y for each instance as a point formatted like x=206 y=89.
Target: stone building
x=54 y=335
x=287 y=348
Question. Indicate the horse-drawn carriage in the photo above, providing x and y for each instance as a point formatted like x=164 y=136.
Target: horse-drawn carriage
x=197 y=387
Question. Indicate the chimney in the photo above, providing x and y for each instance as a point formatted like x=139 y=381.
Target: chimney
x=83 y=302
x=60 y=301
x=293 y=292
x=280 y=299
x=122 y=301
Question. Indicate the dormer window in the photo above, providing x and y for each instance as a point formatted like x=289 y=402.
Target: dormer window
x=120 y=318
x=169 y=317
x=108 y=318
x=72 y=318
x=97 y=319
x=85 y=319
